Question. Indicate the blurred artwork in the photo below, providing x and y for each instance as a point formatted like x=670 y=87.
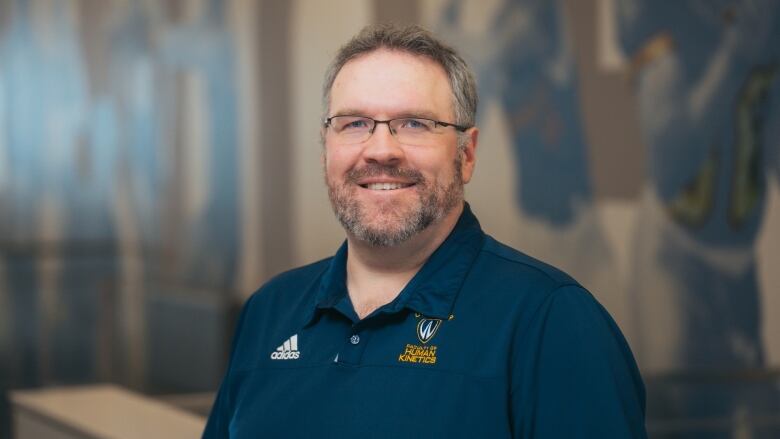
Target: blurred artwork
x=118 y=150
x=708 y=87
x=524 y=57
x=707 y=82
x=50 y=189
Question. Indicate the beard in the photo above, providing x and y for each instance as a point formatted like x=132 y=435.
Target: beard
x=395 y=221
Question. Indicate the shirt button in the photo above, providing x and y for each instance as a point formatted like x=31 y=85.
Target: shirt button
x=355 y=339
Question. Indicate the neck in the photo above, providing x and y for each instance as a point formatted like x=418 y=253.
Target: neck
x=376 y=275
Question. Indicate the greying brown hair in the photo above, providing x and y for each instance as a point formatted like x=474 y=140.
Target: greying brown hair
x=414 y=40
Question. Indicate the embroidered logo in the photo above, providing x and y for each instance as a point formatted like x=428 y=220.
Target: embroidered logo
x=418 y=354
x=426 y=329
x=422 y=354
x=288 y=350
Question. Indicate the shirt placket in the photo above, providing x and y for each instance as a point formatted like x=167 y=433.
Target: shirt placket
x=354 y=344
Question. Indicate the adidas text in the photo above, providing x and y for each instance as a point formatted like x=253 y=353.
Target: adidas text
x=285 y=355
x=288 y=350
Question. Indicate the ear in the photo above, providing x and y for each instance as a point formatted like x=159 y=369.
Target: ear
x=469 y=159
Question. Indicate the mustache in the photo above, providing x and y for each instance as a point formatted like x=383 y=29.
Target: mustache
x=377 y=170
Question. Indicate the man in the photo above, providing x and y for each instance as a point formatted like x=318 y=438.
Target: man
x=420 y=325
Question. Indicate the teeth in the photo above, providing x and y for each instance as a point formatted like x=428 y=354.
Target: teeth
x=384 y=186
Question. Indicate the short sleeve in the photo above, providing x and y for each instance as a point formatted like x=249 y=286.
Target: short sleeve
x=575 y=376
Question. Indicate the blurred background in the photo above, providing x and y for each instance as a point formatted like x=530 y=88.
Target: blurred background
x=159 y=160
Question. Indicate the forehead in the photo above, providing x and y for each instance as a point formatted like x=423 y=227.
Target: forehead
x=387 y=83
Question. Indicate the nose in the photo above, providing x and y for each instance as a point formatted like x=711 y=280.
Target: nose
x=382 y=147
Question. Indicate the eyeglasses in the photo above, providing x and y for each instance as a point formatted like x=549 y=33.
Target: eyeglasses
x=412 y=131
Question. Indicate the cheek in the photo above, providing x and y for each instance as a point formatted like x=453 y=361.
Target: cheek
x=330 y=161
x=336 y=164
x=438 y=169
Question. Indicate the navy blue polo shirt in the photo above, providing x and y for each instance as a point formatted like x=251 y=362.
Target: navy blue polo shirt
x=484 y=341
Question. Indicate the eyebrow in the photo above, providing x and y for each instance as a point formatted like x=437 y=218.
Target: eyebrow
x=422 y=114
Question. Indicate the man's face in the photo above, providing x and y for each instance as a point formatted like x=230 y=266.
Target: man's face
x=384 y=192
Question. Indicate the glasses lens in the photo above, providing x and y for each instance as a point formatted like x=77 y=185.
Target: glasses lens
x=409 y=130
x=413 y=131
x=352 y=128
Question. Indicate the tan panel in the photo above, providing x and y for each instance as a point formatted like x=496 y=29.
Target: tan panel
x=609 y=113
x=278 y=121
x=768 y=253
x=397 y=11
x=318 y=30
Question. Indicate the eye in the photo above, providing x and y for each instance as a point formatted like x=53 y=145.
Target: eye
x=356 y=124
x=416 y=124
x=350 y=123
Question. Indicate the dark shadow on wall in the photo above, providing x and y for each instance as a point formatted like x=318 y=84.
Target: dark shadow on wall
x=5 y=415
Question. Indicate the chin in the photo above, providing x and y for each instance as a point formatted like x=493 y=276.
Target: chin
x=384 y=238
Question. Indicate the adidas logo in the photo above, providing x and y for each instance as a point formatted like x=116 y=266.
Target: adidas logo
x=288 y=350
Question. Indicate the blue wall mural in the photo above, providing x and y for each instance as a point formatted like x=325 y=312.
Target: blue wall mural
x=524 y=59
x=532 y=71
x=706 y=80
x=706 y=77
x=99 y=101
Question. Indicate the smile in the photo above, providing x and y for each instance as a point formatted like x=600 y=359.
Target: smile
x=386 y=186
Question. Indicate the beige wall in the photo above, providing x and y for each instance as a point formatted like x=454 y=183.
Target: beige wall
x=319 y=29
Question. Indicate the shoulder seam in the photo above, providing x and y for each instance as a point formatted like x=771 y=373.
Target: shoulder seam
x=545 y=273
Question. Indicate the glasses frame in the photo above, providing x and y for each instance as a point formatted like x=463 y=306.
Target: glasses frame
x=327 y=123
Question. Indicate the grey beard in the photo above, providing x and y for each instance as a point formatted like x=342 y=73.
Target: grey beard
x=434 y=206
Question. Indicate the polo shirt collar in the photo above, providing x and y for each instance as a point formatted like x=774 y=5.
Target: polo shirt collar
x=431 y=292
